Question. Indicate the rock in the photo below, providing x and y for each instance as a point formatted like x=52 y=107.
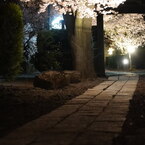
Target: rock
x=50 y=80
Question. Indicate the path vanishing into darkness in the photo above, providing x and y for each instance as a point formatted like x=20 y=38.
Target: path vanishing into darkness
x=93 y=118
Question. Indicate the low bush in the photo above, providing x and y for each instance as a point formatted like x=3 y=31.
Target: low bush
x=54 y=79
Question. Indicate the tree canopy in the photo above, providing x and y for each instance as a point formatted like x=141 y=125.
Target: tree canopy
x=125 y=31
x=85 y=8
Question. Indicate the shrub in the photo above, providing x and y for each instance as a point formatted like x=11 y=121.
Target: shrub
x=47 y=60
x=48 y=52
x=50 y=80
x=11 y=34
x=55 y=79
x=53 y=51
x=61 y=38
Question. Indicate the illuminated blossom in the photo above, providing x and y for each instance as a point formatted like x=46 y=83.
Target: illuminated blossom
x=125 y=30
x=85 y=8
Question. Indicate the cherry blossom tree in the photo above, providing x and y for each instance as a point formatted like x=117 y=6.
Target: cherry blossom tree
x=126 y=36
x=78 y=15
x=125 y=30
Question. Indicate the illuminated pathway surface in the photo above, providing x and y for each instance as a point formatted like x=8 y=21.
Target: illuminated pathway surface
x=93 y=118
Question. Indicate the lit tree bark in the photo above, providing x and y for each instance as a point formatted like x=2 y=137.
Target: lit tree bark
x=83 y=47
x=81 y=44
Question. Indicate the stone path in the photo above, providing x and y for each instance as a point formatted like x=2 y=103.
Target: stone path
x=93 y=118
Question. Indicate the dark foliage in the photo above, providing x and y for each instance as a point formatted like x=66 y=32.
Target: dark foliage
x=9 y=1
x=61 y=38
x=139 y=58
x=53 y=51
x=48 y=52
x=115 y=61
x=11 y=34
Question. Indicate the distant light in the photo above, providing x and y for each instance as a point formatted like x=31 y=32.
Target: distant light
x=57 y=22
x=131 y=48
x=110 y=51
x=125 y=61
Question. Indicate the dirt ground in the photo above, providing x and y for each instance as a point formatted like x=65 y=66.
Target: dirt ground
x=20 y=102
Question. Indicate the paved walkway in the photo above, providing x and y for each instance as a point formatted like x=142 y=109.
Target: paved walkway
x=93 y=118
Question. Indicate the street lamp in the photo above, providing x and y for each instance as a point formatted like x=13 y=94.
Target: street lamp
x=131 y=50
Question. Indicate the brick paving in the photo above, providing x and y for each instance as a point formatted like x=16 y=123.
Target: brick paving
x=93 y=118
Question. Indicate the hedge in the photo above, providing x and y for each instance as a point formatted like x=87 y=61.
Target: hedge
x=11 y=37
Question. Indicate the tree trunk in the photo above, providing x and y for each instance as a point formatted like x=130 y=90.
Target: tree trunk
x=81 y=42
x=98 y=39
x=82 y=45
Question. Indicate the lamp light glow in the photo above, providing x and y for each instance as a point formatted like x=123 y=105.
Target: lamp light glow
x=110 y=51
x=131 y=49
x=125 y=61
